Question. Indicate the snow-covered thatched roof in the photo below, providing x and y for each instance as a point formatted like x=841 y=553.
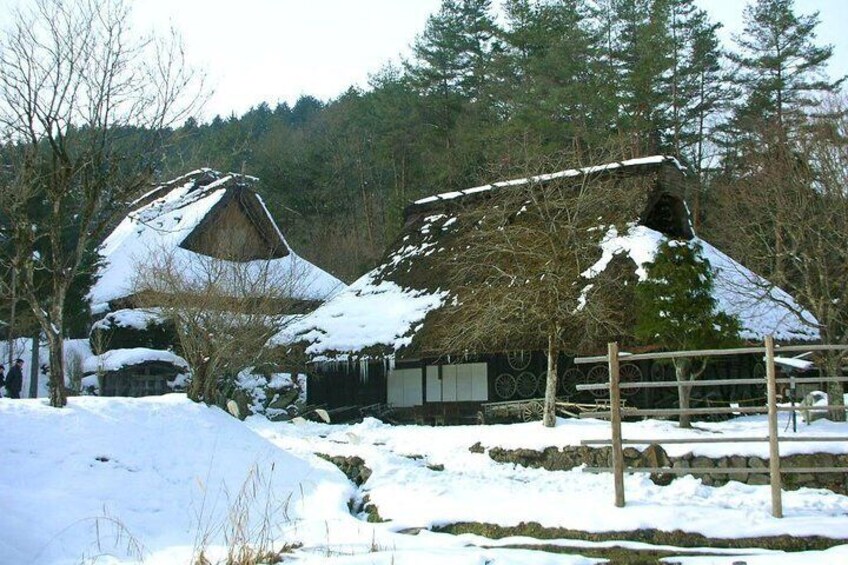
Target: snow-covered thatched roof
x=182 y=218
x=387 y=310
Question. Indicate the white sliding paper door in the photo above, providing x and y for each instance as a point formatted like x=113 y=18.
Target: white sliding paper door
x=404 y=387
x=458 y=383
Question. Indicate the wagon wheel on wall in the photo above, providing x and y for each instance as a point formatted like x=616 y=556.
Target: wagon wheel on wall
x=630 y=373
x=532 y=411
x=519 y=360
x=568 y=380
x=505 y=386
x=597 y=375
x=527 y=384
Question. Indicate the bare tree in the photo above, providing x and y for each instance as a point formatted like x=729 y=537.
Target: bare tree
x=787 y=217
x=83 y=107
x=224 y=311
x=522 y=263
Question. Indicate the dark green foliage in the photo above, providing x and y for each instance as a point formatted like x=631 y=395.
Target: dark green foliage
x=476 y=96
x=675 y=304
x=781 y=69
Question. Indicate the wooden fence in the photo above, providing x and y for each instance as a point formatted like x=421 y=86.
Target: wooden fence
x=617 y=411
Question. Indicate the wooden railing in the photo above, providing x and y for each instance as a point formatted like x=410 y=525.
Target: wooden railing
x=617 y=412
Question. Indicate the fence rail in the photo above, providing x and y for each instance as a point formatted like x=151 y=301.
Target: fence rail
x=713 y=382
x=617 y=411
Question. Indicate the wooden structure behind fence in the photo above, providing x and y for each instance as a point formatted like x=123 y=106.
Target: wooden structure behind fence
x=618 y=411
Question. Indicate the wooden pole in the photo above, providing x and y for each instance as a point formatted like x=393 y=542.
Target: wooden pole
x=617 y=454
x=34 y=366
x=12 y=314
x=774 y=448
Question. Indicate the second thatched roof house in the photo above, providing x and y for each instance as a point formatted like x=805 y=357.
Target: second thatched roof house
x=202 y=224
x=372 y=341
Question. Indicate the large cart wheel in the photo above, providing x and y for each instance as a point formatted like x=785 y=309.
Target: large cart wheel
x=569 y=379
x=527 y=384
x=519 y=360
x=630 y=373
x=505 y=386
x=597 y=375
x=532 y=411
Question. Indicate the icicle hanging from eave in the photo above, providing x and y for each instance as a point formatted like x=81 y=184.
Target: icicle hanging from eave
x=363 y=370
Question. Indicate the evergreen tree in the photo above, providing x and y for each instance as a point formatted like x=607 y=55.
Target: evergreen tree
x=552 y=76
x=452 y=58
x=677 y=311
x=642 y=52
x=781 y=69
x=697 y=82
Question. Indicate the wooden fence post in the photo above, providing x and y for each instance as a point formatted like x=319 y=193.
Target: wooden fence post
x=615 y=421
x=774 y=447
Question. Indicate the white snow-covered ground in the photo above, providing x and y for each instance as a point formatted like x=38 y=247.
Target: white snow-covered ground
x=157 y=479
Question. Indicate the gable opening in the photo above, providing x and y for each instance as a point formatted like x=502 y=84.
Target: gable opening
x=234 y=231
x=668 y=215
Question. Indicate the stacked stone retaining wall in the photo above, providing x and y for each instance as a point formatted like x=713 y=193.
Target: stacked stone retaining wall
x=708 y=469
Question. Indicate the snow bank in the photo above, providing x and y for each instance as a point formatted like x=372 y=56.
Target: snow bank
x=472 y=487
x=82 y=481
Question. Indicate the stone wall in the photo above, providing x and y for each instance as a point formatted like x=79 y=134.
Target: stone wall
x=569 y=457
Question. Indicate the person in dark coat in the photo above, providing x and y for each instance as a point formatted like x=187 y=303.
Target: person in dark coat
x=2 y=376
x=15 y=379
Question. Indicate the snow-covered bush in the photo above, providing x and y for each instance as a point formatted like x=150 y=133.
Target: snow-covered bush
x=277 y=395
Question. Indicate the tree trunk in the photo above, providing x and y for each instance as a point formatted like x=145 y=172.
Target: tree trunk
x=204 y=385
x=56 y=345
x=682 y=372
x=12 y=314
x=34 y=366
x=549 y=418
x=198 y=382
x=835 y=391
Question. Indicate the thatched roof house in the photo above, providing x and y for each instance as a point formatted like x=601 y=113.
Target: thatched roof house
x=213 y=233
x=387 y=310
x=382 y=326
x=204 y=214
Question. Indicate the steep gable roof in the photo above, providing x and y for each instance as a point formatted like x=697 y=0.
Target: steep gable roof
x=385 y=311
x=181 y=217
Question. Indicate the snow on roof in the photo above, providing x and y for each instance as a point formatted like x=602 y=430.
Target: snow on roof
x=652 y=160
x=378 y=312
x=117 y=359
x=137 y=319
x=762 y=308
x=162 y=225
x=366 y=314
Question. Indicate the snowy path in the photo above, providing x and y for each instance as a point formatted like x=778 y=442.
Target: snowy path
x=157 y=479
x=474 y=488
